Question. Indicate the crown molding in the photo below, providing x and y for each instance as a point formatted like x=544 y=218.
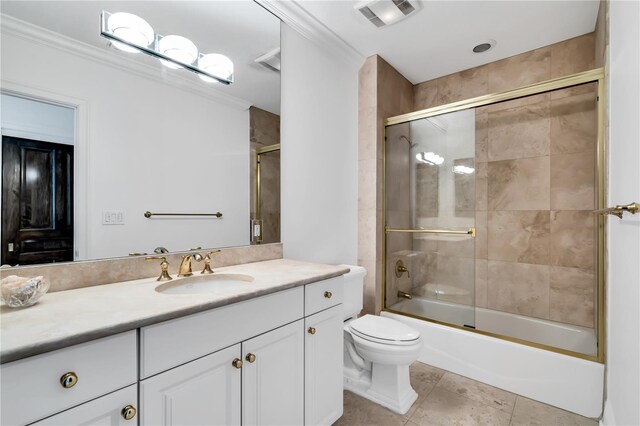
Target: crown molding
x=109 y=57
x=296 y=17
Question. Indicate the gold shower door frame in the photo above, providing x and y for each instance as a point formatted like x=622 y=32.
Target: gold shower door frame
x=592 y=76
x=257 y=189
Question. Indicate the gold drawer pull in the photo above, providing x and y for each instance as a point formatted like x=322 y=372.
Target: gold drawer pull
x=68 y=380
x=237 y=363
x=250 y=357
x=328 y=294
x=312 y=330
x=128 y=412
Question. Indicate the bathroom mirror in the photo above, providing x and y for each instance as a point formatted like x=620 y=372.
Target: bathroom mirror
x=100 y=144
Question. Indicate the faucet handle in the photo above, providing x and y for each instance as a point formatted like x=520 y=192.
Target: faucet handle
x=164 y=265
x=207 y=262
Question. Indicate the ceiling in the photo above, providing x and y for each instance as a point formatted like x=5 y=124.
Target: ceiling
x=438 y=39
x=240 y=29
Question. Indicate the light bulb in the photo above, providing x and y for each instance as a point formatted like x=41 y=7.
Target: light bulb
x=216 y=65
x=132 y=29
x=178 y=48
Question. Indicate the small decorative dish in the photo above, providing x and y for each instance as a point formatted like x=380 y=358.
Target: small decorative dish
x=18 y=292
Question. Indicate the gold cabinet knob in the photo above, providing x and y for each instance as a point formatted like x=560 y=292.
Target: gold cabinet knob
x=328 y=294
x=128 y=412
x=250 y=357
x=237 y=363
x=69 y=380
x=312 y=330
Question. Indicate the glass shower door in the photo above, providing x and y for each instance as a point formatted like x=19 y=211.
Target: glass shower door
x=430 y=218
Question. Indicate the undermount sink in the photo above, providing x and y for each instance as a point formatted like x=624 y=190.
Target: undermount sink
x=212 y=283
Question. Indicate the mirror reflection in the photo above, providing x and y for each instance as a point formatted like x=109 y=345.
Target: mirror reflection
x=109 y=151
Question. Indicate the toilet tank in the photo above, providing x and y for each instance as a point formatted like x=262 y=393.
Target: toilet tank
x=353 y=291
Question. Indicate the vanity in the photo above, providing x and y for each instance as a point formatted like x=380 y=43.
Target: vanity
x=265 y=351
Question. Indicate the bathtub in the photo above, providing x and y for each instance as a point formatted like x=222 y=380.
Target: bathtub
x=564 y=381
x=570 y=337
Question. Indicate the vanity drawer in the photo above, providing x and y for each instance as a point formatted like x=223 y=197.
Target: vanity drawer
x=32 y=387
x=322 y=295
x=175 y=342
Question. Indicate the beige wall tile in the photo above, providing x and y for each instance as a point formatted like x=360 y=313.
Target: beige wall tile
x=600 y=40
x=481 y=235
x=519 y=184
x=481 y=186
x=482 y=136
x=573 y=181
x=481 y=283
x=520 y=70
x=455 y=278
x=519 y=236
x=368 y=148
x=519 y=132
x=367 y=83
x=427 y=190
x=367 y=183
x=572 y=296
x=574 y=124
x=464 y=188
x=425 y=95
x=519 y=288
x=573 y=239
x=573 y=55
x=462 y=85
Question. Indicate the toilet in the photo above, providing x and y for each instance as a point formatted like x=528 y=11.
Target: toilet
x=377 y=351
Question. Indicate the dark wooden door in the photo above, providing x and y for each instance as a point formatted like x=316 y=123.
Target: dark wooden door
x=37 y=202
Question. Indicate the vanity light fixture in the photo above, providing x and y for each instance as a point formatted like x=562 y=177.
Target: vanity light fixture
x=130 y=33
x=430 y=158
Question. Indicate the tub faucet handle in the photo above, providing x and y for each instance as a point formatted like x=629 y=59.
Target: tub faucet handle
x=401 y=269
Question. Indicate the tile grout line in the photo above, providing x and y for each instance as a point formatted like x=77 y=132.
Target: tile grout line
x=514 y=409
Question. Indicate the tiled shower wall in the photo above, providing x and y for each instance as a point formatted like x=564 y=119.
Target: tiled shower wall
x=534 y=254
x=264 y=128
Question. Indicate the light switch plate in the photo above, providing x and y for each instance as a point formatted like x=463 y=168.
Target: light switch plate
x=113 y=217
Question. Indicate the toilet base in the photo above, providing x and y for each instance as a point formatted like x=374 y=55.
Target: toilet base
x=389 y=387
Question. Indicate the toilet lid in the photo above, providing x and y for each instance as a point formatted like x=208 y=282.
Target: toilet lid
x=383 y=329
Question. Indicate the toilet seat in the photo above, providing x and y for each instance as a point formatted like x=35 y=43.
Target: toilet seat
x=384 y=331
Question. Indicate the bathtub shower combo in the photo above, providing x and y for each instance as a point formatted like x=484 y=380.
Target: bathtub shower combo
x=493 y=250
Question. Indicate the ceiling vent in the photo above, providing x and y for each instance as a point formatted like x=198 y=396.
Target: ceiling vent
x=382 y=13
x=270 y=60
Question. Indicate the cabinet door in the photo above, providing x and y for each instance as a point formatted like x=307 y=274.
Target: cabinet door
x=273 y=377
x=323 y=367
x=107 y=410
x=202 y=392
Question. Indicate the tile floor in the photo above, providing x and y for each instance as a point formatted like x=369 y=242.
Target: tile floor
x=445 y=398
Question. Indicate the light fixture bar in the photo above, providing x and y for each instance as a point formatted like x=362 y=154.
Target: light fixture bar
x=151 y=50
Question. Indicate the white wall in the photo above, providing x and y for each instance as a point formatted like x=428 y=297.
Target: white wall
x=29 y=119
x=319 y=152
x=622 y=406
x=150 y=146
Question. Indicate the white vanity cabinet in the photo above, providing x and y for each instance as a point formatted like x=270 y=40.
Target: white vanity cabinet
x=43 y=385
x=323 y=367
x=115 y=409
x=202 y=392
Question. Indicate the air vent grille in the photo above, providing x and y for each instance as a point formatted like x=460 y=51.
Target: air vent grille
x=386 y=12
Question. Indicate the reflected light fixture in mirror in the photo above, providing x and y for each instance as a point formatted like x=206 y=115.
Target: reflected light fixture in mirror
x=131 y=33
x=430 y=158
x=216 y=64
x=131 y=28
x=178 y=48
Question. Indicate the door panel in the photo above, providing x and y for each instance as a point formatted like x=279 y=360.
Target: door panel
x=273 y=384
x=202 y=392
x=323 y=396
x=37 y=201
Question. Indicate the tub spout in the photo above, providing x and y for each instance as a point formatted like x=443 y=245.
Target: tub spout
x=404 y=295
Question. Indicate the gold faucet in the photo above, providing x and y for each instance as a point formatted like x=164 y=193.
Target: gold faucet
x=404 y=295
x=185 y=265
x=207 y=262
x=164 y=265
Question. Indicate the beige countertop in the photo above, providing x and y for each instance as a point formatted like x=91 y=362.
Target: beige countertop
x=70 y=317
